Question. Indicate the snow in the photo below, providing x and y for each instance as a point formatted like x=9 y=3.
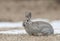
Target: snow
x=56 y=26
x=10 y=24
x=13 y=32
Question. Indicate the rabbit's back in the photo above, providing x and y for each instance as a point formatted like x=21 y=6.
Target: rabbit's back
x=40 y=25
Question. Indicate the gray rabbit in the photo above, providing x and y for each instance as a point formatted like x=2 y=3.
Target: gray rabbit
x=37 y=28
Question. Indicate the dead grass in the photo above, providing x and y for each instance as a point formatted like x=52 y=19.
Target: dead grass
x=6 y=37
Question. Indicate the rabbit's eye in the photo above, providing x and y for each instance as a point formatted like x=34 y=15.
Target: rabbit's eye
x=27 y=20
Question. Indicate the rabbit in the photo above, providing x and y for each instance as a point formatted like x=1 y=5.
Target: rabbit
x=37 y=28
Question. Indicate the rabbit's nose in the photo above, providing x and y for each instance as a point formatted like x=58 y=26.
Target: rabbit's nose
x=23 y=24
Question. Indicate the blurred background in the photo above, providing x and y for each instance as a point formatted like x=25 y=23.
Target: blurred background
x=14 y=10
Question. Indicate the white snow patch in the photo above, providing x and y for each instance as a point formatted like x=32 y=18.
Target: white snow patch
x=39 y=19
x=10 y=24
x=13 y=32
x=56 y=26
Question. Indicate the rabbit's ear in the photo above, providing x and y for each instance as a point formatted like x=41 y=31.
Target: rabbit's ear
x=28 y=15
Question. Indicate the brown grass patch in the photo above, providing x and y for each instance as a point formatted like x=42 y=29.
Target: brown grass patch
x=6 y=37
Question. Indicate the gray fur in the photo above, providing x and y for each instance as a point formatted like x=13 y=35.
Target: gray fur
x=37 y=28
